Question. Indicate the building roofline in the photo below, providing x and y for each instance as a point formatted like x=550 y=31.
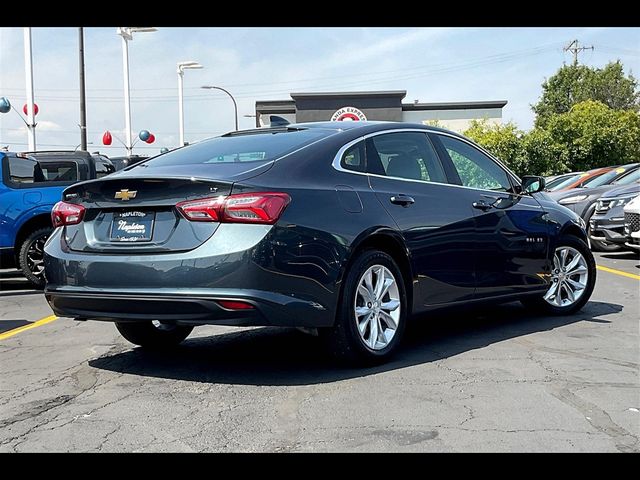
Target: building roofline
x=372 y=93
x=454 y=105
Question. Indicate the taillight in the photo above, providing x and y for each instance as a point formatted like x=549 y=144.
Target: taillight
x=261 y=207
x=64 y=213
x=205 y=210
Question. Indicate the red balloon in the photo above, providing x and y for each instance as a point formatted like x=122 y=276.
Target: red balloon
x=151 y=138
x=106 y=138
x=35 y=109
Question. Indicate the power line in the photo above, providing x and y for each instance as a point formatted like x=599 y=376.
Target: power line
x=488 y=59
x=494 y=59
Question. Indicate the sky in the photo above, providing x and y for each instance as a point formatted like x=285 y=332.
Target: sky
x=431 y=64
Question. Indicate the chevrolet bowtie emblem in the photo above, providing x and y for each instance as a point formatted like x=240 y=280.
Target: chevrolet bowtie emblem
x=125 y=194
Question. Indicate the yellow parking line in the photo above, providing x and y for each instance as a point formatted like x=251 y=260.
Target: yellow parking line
x=15 y=331
x=617 y=272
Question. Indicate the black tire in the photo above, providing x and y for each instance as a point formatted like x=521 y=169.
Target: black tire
x=540 y=304
x=30 y=250
x=597 y=245
x=343 y=339
x=152 y=337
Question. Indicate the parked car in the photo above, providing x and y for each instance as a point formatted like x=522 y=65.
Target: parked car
x=555 y=180
x=32 y=183
x=611 y=177
x=579 y=179
x=122 y=162
x=607 y=223
x=632 y=223
x=583 y=200
x=349 y=228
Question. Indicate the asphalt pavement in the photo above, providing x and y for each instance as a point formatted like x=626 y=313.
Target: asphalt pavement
x=496 y=379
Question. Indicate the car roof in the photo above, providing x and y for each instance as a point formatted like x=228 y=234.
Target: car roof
x=357 y=127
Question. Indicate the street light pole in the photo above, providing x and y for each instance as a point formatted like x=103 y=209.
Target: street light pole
x=83 y=107
x=235 y=105
x=181 y=68
x=127 y=94
x=28 y=73
x=126 y=34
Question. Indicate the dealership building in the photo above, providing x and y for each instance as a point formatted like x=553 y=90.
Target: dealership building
x=377 y=105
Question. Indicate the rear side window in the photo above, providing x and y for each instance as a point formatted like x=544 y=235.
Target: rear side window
x=353 y=158
x=245 y=148
x=475 y=169
x=407 y=155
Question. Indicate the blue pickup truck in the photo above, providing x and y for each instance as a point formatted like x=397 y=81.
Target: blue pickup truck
x=31 y=184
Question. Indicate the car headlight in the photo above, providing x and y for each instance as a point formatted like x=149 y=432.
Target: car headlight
x=573 y=199
x=623 y=201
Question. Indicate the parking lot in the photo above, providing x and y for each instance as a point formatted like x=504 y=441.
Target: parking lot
x=496 y=379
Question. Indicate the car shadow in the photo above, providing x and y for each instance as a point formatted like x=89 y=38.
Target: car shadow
x=277 y=356
x=15 y=284
x=627 y=255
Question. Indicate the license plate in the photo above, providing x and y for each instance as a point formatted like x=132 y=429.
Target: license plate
x=132 y=226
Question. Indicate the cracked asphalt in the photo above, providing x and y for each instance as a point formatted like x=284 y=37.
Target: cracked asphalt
x=496 y=379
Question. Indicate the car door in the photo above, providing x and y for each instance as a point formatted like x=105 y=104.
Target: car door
x=410 y=182
x=511 y=236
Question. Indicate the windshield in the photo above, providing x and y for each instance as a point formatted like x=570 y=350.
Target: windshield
x=259 y=147
x=551 y=184
x=567 y=182
x=604 y=179
x=629 y=178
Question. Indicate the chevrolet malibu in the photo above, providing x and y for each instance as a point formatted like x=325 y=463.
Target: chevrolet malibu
x=349 y=229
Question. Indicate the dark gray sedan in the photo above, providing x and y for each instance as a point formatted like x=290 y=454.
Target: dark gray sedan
x=583 y=200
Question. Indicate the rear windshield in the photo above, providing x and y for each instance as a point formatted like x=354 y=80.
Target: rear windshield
x=245 y=148
x=604 y=179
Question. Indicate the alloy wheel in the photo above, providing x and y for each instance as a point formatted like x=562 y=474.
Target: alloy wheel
x=568 y=278
x=377 y=307
x=35 y=256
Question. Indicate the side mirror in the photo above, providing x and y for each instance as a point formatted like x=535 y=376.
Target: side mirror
x=533 y=184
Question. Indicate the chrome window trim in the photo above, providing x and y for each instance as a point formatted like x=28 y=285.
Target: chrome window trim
x=338 y=159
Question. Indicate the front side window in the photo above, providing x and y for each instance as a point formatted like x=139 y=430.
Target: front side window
x=407 y=155
x=475 y=169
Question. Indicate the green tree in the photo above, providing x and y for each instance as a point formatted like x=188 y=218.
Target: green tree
x=573 y=84
x=593 y=135
x=502 y=141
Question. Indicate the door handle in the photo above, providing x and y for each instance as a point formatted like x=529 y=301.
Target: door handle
x=481 y=205
x=404 y=200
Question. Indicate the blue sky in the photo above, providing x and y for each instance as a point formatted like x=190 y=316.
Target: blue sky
x=431 y=64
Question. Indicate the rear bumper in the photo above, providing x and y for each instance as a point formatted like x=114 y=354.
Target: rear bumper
x=239 y=262
x=186 y=307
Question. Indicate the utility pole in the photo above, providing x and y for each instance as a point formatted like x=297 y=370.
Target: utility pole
x=28 y=70
x=575 y=48
x=83 y=106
